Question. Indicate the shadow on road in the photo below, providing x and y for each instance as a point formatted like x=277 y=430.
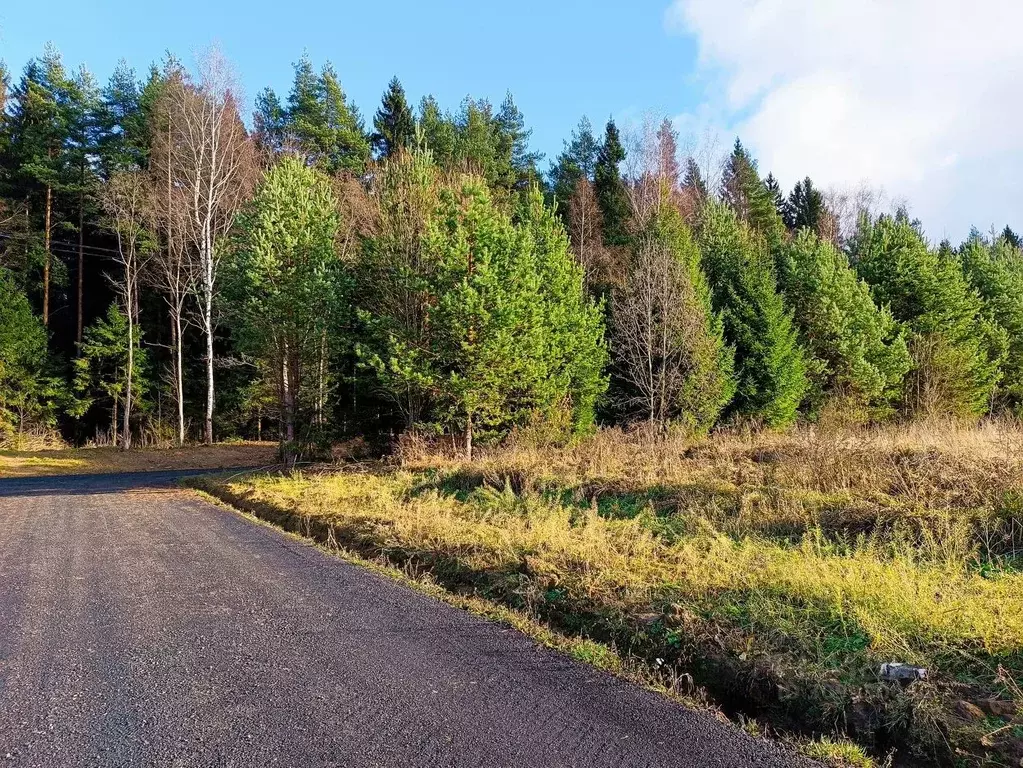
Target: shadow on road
x=79 y=485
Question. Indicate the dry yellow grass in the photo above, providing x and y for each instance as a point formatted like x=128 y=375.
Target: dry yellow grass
x=778 y=569
x=101 y=460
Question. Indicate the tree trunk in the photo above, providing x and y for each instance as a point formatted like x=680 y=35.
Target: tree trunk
x=46 y=263
x=208 y=323
x=81 y=263
x=113 y=423
x=468 y=438
x=179 y=376
x=126 y=429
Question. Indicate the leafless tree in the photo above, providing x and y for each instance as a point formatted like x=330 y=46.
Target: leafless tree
x=212 y=164
x=584 y=231
x=125 y=199
x=171 y=270
x=654 y=331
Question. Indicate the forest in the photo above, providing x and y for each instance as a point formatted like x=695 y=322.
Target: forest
x=173 y=270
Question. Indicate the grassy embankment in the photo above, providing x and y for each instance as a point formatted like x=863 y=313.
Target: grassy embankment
x=775 y=571
x=84 y=461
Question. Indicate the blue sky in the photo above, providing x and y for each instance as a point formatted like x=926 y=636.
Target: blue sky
x=915 y=100
x=560 y=60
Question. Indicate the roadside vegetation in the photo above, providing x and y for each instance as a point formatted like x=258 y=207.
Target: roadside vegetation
x=641 y=394
x=777 y=572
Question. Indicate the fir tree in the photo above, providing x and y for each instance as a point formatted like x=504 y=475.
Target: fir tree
x=394 y=122
x=956 y=349
x=858 y=349
x=771 y=366
x=577 y=161
x=991 y=273
x=609 y=186
x=805 y=207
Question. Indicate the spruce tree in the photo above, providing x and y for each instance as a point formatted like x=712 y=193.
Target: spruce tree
x=609 y=186
x=771 y=365
x=992 y=271
x=858 y=349
x=27 y=395
x=805 y=207
x=956 y=348
x=394 y=123
x=519 y=162
x=1011 y=237
x=577 y=161
x=745 y=193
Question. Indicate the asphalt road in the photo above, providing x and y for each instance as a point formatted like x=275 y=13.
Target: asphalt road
x=141 y=626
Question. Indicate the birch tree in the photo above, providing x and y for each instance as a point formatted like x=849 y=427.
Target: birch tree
x=125 y=200
x=212 y=164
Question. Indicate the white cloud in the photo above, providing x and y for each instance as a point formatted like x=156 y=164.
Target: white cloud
x=921 y=97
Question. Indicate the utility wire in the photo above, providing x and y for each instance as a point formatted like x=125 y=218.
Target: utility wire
x=70 y=244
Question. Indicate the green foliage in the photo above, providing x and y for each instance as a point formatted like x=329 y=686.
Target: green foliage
x=394 y=122
x=956 y=348
x=317 y=122
x=476 y=323
x=771 y=366
x=577 y=161
x=285 y=286
x=996 y=273
x=101 y=368
x=569 y=329
x=710 y=382
x=26 y=394
x=805 y=207
x=859 y=348
x=612 y=197
x=754 y=204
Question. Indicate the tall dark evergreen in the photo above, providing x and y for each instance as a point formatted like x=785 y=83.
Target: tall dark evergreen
x=771 y=365
x=578 y=160
x=750 y=198
x=394 y=123
x=609 y=187
x=805 y=207
x=957 y=348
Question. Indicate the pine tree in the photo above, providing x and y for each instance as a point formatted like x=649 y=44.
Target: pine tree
x=285 y=283
x=39 y=134
x=438 y=131
x=771 y=365
x=858 y=349
x=956 y=349
x=609 y=186
x=577 y=161
x=394 y=122
x=124 y=139
x=569 y=328
x=518 y=162
x=991 y=273
x=484 y=316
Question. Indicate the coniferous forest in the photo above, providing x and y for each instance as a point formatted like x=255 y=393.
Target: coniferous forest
x=173 y=269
